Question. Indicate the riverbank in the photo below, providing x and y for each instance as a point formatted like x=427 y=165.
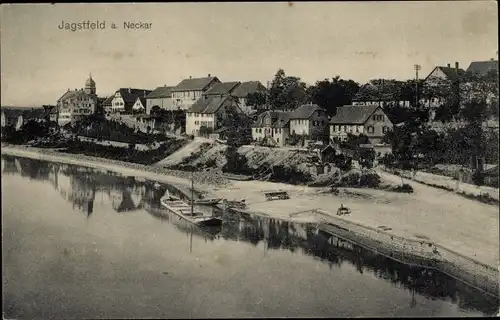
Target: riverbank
x=464 y=226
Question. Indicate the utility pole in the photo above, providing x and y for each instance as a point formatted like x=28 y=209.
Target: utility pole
x=417 y=67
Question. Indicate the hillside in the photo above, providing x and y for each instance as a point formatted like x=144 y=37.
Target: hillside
x=205 y=153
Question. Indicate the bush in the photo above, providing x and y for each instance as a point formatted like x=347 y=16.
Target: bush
x=351 y=179
x=290 y=175
x=370 y=180
x=235 y=162
x=405 y=187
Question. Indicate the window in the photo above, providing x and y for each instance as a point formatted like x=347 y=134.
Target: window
x=336 y=128
x=385 y=129
x=342 y=128
x=371 y=129
x=278 y=140
x=357 y=129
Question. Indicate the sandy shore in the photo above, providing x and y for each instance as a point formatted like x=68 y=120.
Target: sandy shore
x=465 y=226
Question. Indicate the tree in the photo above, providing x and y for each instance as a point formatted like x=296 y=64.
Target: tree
x=257 y=99
x=286 y=92
x=330 y=95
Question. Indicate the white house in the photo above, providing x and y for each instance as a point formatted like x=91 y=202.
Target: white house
x=308 y=119
x=243 y=90
x=76 y=104
x=125 y=98
x=139 y=105
x=437 y=83
x=161 y=97
x=369 y=120
x=273 y=126
x=188 y=91
x=209 y=113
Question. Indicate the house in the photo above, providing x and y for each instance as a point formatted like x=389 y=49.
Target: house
x=209 y=113
x=125 y=98
x=242 y=92
x=73 y=105
x=139 y=105
x=223 y=88
x=382 y=92
x=369 y=120
x=50 y=112
x=107 y=104
x=308 y=119
x=274 y=126
x=482 y=68
x=437 y=84
x=188 y=91
x=160 y=97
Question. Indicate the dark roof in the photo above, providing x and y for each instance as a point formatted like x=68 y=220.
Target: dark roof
x=161 y=92
x=108 y=100
x=72 y=94
x=248 y=87
x=305 y=111
x=143 y=101
x=222 y=88
x=194 y=84
x=279 y=119
x=129 y=98
x=381 y=90
x=482 y=68
x=353 y=114
x=450 y=72
x=208 y=105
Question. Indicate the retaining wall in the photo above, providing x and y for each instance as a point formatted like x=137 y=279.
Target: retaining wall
x=417 y=252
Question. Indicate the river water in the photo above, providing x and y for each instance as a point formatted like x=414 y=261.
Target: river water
x=83 y=243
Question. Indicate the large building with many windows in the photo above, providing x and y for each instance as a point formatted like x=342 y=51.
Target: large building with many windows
x=76 y=104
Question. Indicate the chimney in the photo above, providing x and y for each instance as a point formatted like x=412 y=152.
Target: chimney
x=448 y=65
x=144 y=92
x=269 y=85
x=189 y=77
x=456 y=66
x=129 y=90
x=209 y=75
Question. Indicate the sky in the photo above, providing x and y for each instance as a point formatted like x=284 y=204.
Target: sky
x=235 y=42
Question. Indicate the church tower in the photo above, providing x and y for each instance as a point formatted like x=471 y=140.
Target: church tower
x=90 y=86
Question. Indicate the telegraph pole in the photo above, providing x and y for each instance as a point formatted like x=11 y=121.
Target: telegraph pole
x=417 y=67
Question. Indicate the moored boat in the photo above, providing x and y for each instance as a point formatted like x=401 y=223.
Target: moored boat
x=208 y=202
x=185 y=211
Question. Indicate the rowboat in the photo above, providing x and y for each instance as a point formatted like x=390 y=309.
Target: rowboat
x=208 y=202
x=276 y=195
x=186 y=211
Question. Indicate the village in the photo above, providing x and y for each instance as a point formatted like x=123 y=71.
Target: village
x=300 y=121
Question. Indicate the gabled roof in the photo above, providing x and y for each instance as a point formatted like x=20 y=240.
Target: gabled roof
x=248 y=87
x=194 y=84
x=305 y=111
x=481 y=68
x=209 y=104
x=381 y=90
x=450 y=72
x=108 y=101
x=161 y=92
x=279 y=119
x=353 y=114
x=222 y=88
x=130 y=95
x=143 y=101
x=72 y=94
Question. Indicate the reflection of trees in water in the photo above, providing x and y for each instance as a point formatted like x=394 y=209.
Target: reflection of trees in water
x=277 y=234
x=427 y=282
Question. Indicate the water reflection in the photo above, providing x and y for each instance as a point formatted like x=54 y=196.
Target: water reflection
x=80 y=186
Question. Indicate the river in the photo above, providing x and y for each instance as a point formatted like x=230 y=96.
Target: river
x=83 y=243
